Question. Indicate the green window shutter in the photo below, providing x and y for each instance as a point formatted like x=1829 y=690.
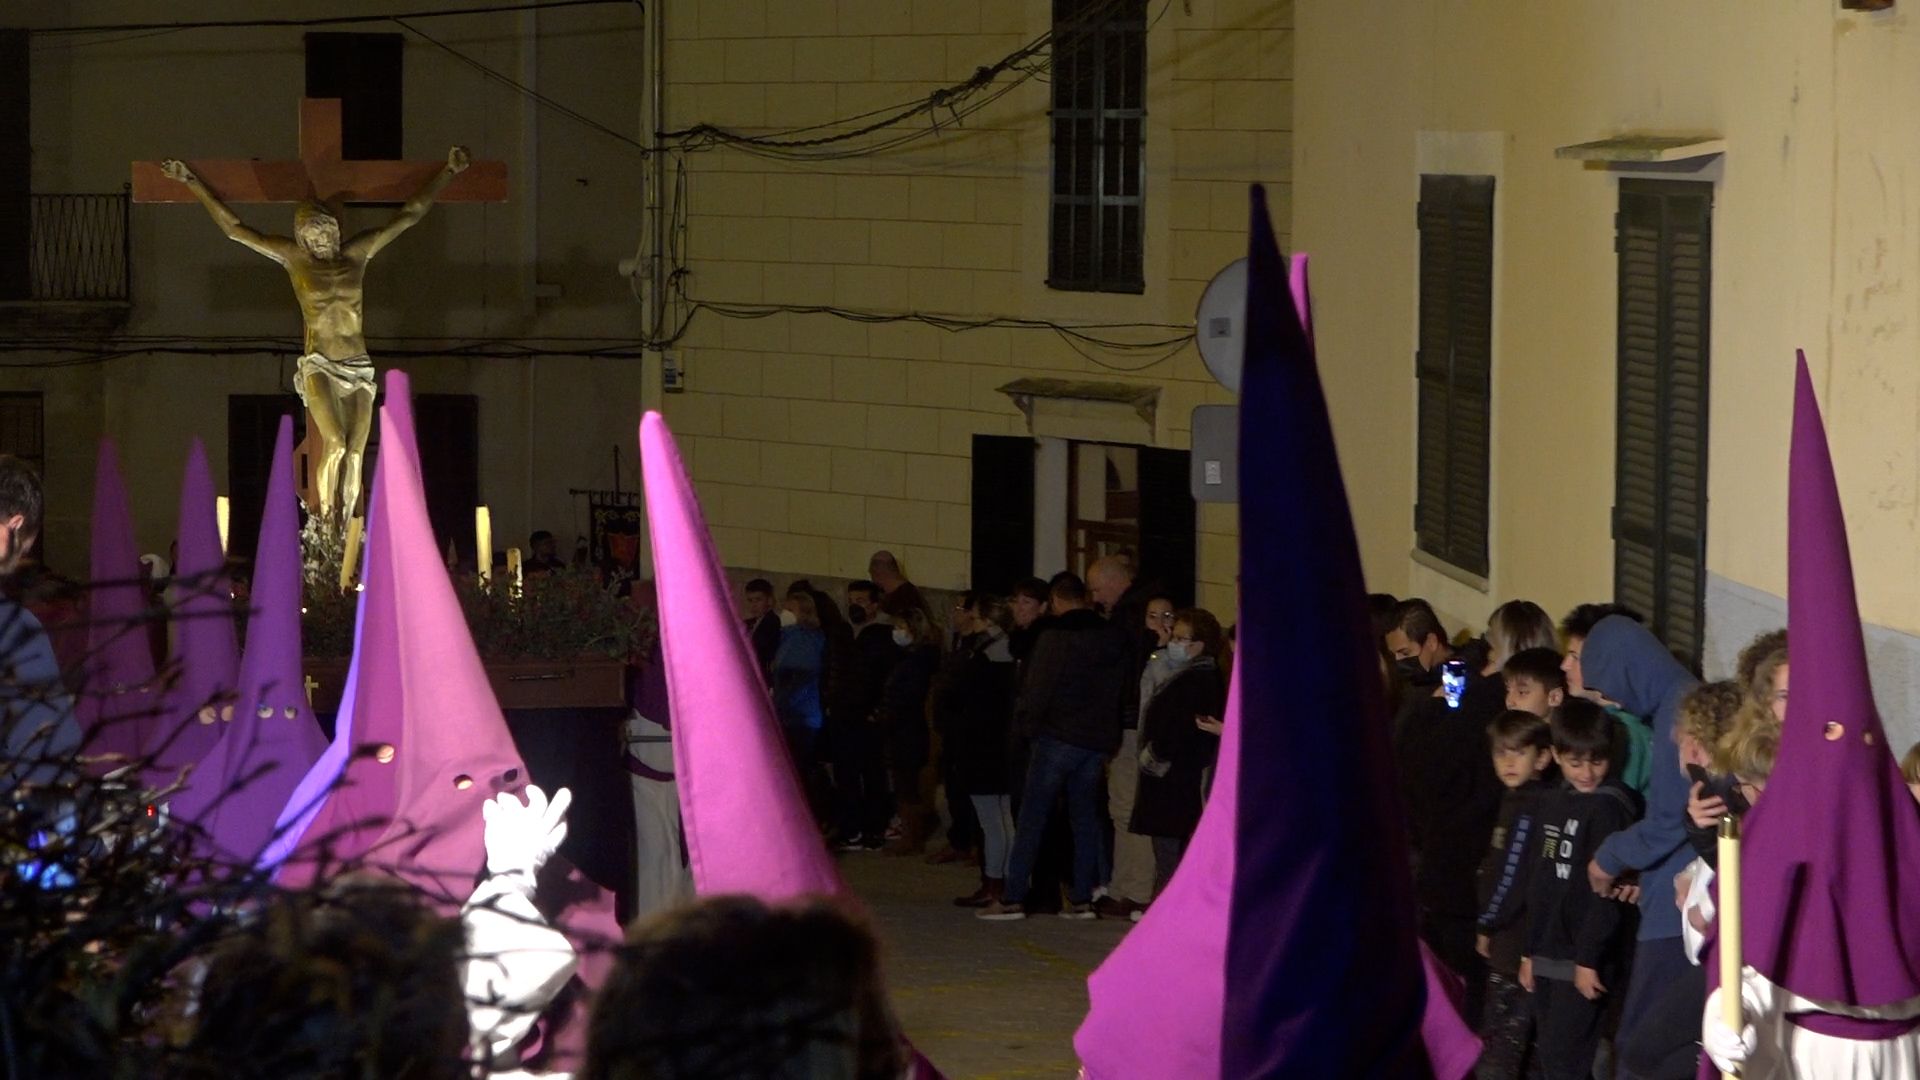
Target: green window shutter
x=1453 y=367
x=1664 y=246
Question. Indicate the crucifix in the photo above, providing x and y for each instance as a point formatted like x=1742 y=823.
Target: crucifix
x=335 y=376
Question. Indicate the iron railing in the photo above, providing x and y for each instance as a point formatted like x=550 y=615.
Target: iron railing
x=80 y=247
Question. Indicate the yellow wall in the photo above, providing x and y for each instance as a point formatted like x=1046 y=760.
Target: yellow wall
x=467 y=271
x=816 y=440
x=1816 y=244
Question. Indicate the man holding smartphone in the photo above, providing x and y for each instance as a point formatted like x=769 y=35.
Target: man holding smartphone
x=1447 y=779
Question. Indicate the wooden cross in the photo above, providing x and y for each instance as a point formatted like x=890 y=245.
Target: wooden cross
x=320 y=173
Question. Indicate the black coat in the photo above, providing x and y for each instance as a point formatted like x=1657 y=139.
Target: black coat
x=1452 y=793
x=974 y=710
x=765 y=635
x=1074 y=683
x=1170 y=805
x=903 y=707
x=878 y=654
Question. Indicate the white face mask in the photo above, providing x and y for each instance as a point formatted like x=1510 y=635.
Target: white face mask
x=902 y=637
x=1179 y=652
x=788 y=618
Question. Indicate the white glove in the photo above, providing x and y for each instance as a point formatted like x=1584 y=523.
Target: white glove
x=1728 y=1050
x=520 y=839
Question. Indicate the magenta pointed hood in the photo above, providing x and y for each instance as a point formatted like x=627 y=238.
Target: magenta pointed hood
x=237 y=792
x=116 y=706
x=1831 y=859
x=206 y=661
x=748 y=828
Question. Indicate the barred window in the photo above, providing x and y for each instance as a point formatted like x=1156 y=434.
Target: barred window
x=1099 y=146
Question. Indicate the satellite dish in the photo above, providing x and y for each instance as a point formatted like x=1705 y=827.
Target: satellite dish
x=1220 y=323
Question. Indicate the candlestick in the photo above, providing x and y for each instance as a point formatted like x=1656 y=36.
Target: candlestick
x=483 y=546
x=1727 y=875
x=221 y=508
x=356 y=528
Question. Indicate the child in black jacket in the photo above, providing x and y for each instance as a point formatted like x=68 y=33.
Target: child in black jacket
x=1576 y=939
x=1522 y=753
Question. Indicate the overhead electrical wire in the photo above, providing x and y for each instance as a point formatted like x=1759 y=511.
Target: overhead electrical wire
x=958 y=101
x=323 y=20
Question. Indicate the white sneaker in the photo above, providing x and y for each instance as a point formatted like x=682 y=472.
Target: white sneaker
x=1001 y=912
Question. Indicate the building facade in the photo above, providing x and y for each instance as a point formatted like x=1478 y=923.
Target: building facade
x=846 y=316
x=1613 y=334
x=828 y=425
x=143 y=323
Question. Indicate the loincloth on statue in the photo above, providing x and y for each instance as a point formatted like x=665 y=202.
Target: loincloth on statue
x=351 y=376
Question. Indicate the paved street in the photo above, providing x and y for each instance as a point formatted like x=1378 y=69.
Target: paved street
x=982 y=1000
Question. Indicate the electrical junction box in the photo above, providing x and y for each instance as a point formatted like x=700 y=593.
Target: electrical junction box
x=1214 y=470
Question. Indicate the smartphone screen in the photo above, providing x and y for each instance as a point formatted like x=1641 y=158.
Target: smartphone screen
x=1453 y=681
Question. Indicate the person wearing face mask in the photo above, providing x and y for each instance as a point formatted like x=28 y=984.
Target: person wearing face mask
x=1417 y=642
x=1175 y=752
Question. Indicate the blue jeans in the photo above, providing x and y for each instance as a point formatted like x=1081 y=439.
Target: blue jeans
x=1057 y=766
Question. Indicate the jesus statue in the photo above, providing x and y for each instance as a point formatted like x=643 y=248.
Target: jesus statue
x=335 y=377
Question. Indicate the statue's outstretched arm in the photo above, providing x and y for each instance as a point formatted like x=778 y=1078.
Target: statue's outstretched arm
x=368 y=244
x=277 y=248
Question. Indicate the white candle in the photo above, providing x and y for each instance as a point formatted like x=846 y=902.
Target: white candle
x=221 y=508
x=356 y=528
x=514 y=568
x=1728 y=902
x=483 y=542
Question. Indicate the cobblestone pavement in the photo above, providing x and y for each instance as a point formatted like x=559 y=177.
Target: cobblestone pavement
x=993 y=1001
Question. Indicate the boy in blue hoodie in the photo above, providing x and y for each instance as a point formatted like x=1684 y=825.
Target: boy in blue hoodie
x=1622 y=661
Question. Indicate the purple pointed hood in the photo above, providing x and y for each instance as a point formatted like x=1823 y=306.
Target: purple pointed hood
x=116 y=706
x=206 y=661
x=1298 y=870
x=1830 y=878
x=237 y=792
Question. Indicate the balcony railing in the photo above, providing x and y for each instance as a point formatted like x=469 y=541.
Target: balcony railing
x=79 y=250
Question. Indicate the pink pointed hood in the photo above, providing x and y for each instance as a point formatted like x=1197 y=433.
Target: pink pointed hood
x=747 y=825
x=748 y=829
x=453 y=750
x=206 y=661
x=1158 y=998
x=116 y=706
x=430 y=743
x=237 y=792
x=1831 y=858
